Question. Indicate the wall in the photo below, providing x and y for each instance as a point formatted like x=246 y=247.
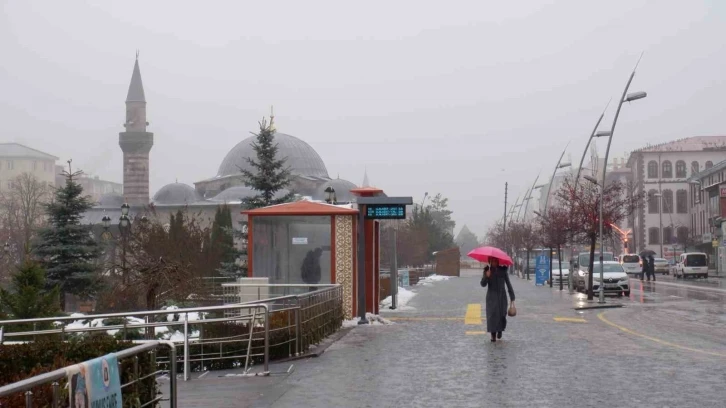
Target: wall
x=448 y=262
x=43 y=170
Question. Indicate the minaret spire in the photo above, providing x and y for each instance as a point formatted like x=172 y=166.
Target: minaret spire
x=366 y=183
x=136 y=143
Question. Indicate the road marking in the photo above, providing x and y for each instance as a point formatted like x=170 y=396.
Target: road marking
x=423 y=318
x=601 y=316
x=202 y=376
x=475 y=333
x=473 y=314
x=569 y=319
x=689 y=287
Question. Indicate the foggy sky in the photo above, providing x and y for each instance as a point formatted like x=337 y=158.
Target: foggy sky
x=449 y=97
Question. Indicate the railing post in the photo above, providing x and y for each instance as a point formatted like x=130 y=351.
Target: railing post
x=249 y=342
x=186 y=347
x=298 y=332
x=136 y=375
x=56 y=393
x=28 y=399
x=267 y=339
x=172 y=375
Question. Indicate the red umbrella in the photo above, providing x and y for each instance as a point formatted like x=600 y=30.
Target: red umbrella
x=483 y=254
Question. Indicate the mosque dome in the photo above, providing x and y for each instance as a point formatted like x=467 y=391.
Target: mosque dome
x=236 y=193
x=111 y=200
x=342 y=190
x=302 y=159
x=176 y=193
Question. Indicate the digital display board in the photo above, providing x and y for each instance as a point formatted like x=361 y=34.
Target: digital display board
x=385 y=211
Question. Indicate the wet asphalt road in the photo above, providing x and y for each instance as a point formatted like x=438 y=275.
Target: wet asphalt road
x=665 y=348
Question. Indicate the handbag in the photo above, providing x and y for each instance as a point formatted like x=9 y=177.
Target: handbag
x=512 y=310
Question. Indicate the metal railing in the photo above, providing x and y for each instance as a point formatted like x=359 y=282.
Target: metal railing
x=58 y=379
x=235 y=335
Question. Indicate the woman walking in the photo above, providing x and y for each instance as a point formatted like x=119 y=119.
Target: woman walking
x=495 y=278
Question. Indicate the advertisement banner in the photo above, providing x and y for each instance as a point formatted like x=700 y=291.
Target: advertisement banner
x=403 y=279
x=95 y=383
x=541 y=270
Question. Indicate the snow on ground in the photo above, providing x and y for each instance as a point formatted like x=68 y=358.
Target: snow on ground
x=404 y=296
x=372 y=319
x=431 y=279
x=176 y=336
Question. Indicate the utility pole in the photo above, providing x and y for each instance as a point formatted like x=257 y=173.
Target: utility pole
x=504 y=228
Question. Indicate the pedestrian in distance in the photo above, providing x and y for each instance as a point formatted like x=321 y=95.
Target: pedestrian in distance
x=645 y=268
x=495 y=279
x=651 y=267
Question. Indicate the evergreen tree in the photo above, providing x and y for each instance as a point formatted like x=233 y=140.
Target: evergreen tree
x=29 y=296
x=270 y=173
x=66 y=248
x=222 y=242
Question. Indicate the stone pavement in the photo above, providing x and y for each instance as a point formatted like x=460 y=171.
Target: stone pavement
x=658 y=351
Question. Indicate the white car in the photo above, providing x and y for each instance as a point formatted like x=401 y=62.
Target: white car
x=692 y=264
x=615 y=280
x=556 y=273
x=631 y=263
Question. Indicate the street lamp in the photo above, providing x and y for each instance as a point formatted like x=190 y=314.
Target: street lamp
x=330 y=195
x=558 y=166
x=124 y=223
x=660 y=220
x=626 y=97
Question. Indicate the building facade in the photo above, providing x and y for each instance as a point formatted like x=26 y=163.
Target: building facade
x=707 y=192
x=661 y=172
x=16 y=159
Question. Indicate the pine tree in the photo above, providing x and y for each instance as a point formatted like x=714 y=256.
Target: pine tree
x=271 y=174
x=66 y=248
x=29 y=296
x=222 y=242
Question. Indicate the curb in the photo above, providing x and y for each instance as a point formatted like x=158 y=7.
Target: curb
x=609 y=306
x=320 y=349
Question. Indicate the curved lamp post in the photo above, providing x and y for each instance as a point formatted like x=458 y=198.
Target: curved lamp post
x=626 y=97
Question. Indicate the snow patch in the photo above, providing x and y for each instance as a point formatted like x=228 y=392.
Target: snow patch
x=373 y=320
x=433 y=278
x=404 y=296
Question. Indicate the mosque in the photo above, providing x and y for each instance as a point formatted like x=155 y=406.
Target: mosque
x=310 y=177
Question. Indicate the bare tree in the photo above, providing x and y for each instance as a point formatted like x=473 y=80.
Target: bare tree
x=583 y=203
x=21 y=214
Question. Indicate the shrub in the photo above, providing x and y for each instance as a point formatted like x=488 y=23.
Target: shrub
x=21 y=361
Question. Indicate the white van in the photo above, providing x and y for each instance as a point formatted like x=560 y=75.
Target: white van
x=631 y=263
x=692 y=264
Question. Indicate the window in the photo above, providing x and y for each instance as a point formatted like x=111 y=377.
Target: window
x=709 y=164
x=652 y=169
x=667 y=169
x=668 y=201
x=681 y=202
x=682 y=233
x=668 y=235
x=652 y=202
x=694 y=167
x=681 y=169
x=653 y=236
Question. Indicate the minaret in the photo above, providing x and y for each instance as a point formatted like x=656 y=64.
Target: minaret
x=136 y=143
x=366 y=183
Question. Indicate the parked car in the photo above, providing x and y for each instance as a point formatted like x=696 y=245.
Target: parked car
x=616 y=281
x=661 y=266
x=556 y=273
x=692 y=264
x=632 y=264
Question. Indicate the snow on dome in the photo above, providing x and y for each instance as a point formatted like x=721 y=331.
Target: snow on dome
x=236 y=193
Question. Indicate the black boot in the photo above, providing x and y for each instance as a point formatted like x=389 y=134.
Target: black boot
x=499 y=335
x=494 y=337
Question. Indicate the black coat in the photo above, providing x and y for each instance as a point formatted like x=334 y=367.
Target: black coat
x=496 y=301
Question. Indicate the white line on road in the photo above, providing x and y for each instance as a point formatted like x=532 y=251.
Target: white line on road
x=690 y=287
x=205 y=373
